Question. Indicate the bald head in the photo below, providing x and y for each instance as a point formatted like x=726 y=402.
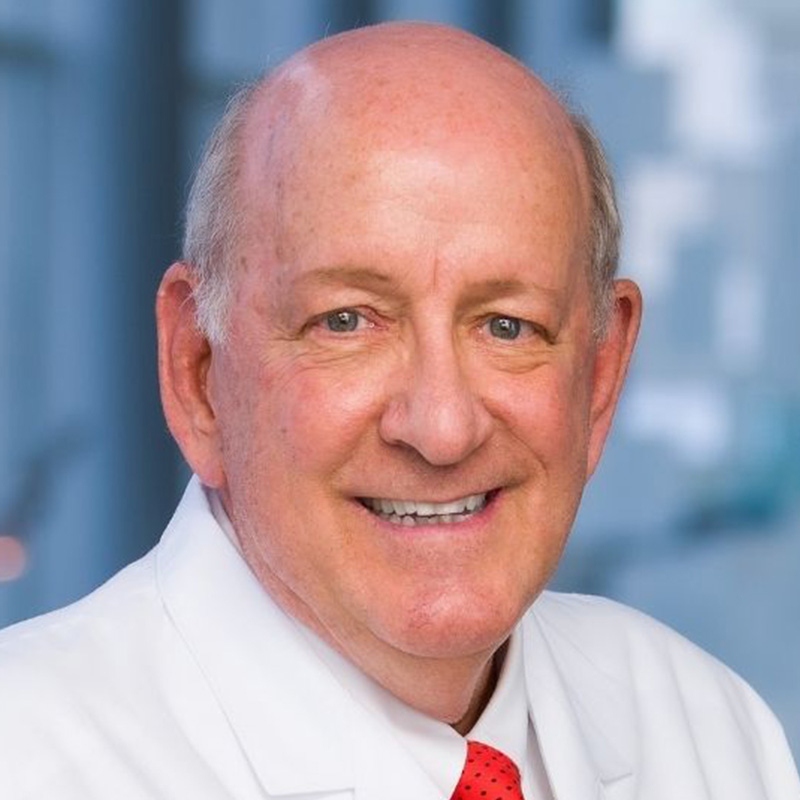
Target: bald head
x=337 y=106
x=404 y=77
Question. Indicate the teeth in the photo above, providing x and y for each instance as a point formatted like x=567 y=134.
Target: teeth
x=412 y=512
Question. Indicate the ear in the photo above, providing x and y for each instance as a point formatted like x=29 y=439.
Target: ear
x=612 y=357
x=184 y=359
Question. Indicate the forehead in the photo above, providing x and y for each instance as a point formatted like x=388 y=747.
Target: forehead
x=334 y=158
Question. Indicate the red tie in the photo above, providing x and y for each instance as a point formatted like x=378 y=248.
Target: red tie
x=488 y=775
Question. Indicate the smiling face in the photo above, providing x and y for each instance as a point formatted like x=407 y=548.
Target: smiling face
x=410 y=399
x=404 y=401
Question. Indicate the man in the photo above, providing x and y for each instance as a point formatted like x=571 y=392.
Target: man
x=391 y=356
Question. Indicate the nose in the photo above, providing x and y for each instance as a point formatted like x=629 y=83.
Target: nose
x=435 y=410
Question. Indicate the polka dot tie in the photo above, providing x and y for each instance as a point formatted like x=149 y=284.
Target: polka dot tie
x=488 y=775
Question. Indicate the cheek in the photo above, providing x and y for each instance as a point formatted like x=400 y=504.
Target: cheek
x=547 y=410
x=318 y=414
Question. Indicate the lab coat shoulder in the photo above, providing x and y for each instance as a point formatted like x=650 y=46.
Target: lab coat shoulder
x=93 y=695
x=677 y=716
x=50 y=663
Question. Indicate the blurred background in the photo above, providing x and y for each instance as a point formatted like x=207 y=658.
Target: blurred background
x=694 y=515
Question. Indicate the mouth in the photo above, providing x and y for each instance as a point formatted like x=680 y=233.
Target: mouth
x=414 y=513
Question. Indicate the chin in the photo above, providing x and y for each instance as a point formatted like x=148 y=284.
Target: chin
x=450 y=628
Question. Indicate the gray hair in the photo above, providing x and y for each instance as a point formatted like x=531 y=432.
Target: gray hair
x=213 y=219
x=605 y=225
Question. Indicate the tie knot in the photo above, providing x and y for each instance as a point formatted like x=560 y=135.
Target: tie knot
x=488 y=774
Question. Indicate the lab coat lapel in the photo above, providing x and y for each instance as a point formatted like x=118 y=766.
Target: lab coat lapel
x=289 y=716
x=581 y=717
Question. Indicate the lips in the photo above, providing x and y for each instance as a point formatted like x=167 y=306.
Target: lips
x=421 y=512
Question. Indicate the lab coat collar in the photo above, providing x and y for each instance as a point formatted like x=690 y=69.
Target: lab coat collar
x=582 y=717
x=291 y=719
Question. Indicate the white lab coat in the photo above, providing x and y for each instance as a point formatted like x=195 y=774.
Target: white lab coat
x=180 y=679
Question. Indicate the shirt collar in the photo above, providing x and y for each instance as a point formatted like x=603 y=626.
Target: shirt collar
x=504 y=722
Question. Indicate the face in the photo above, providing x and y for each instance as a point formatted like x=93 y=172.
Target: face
x=405 y=403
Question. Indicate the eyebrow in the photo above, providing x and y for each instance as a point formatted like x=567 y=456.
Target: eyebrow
x=488 y=288
x=491 y=288
x=347 y=276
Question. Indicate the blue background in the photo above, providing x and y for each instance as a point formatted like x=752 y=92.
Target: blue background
x=694 y=515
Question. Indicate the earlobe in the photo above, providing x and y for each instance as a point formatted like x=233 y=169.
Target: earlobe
x=184 y=360
x=612 y=358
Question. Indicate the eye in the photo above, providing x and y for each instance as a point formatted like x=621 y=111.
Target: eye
x=343 y=320
x=505 y=327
